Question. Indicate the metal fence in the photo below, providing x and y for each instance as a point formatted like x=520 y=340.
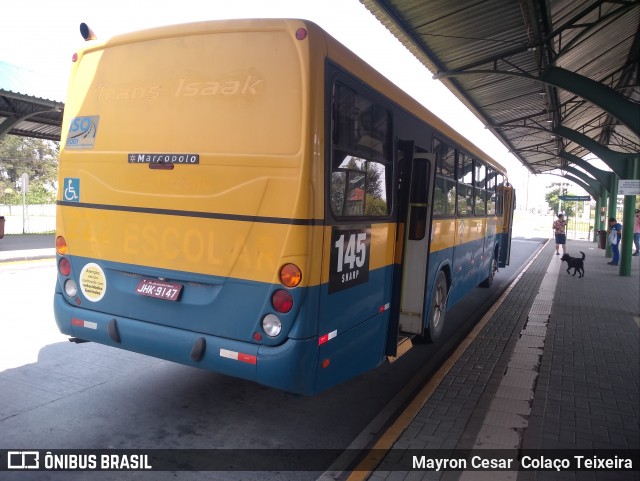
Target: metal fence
x=29 y=219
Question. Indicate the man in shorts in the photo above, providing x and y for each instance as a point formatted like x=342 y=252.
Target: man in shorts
x=560 y=231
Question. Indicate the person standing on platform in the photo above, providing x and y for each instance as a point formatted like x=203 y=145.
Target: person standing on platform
x=560 y=232
x=615 y=227
x=636 y=233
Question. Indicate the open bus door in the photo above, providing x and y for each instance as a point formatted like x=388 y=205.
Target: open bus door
x=418 y=171
x=508 y=198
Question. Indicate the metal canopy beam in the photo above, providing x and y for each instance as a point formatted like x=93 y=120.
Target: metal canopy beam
x=576 y=181
x=595 y=92
x=602 y=176
x=617 y=161
x=595 y=184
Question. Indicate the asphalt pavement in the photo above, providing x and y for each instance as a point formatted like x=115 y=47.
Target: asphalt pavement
x=27 y=247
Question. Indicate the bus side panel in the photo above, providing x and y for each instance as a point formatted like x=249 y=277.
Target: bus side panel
x=354 y=303
x=353 y=352
x=352 y=296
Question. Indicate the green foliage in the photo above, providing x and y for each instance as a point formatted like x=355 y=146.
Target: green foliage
x=35 y=157
x=552 y=198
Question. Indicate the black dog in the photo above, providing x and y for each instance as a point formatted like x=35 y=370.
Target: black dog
x=574 y=263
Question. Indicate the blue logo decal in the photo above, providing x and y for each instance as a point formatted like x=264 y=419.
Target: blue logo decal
x=82 y=132
x=71 y=189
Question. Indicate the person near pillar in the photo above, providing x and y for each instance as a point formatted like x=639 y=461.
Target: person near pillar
x=615 y=227
x=636 y=233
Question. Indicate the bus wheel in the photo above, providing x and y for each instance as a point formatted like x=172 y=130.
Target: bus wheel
x=494 y=268
x=437 y=309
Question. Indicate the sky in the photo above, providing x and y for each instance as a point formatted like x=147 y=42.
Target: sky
x=42 y=35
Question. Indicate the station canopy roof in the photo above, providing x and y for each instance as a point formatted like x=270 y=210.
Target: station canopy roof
x=23 y=111
x=548 y=78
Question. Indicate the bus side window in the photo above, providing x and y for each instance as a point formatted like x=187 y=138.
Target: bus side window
x=491 y=192
x=499 y=195
x=464 y=174
x=419 y=197
x=358 y=187
x=444 y=197
x=480 y=193
x=361 y=179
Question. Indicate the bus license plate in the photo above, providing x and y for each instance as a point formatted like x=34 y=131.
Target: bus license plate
x=169 y=291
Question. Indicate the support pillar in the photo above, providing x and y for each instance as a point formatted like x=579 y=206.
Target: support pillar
x=613 y=204
x=633 y=172
x=596 y=219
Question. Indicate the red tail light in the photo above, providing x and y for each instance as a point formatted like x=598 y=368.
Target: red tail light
x=64 y=266
x=282 y=301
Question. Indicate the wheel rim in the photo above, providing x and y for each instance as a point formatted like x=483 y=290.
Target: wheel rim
x=437 y=306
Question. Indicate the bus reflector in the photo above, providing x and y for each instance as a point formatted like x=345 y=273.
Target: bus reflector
x=82 y=323
x=384 y=308
x=301 y=34
x=290 y=275
x=238 y=356
x=327 y=337
x=61 y=245
x=282 y=301
x=325 y=363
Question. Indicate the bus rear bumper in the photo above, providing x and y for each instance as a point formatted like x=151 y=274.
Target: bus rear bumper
x=291 y=366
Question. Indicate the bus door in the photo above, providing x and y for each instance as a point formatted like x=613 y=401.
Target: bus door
x=508 y=199
x=417 y=237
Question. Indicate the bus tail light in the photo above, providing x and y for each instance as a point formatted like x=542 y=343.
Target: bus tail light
x=61 y=245
x=271 y=325
x=290 y=275
x=64 y=266
x=282 y=301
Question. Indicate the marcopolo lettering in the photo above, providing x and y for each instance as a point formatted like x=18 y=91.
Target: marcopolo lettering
x=186 y=159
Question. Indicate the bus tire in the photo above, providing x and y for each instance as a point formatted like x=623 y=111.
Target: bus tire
x=488 y=282
x=437 y=308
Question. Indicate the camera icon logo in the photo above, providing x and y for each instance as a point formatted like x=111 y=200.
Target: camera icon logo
x=23 y=460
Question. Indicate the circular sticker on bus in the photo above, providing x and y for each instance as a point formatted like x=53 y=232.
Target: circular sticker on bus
x=93 y=282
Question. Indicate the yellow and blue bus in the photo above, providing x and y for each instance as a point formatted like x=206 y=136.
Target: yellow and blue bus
x=251 y=198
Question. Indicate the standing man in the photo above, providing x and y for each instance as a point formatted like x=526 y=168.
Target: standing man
x=615 y=226
x=560 y=232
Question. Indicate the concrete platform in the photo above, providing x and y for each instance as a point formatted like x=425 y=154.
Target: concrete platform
x=556 y=369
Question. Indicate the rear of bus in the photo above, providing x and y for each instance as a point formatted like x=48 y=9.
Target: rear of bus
x=186 y=210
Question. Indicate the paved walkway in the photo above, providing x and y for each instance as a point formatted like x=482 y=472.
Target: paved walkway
x=556 y=368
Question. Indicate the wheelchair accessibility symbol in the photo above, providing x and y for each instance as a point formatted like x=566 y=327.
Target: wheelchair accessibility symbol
x=72 y=189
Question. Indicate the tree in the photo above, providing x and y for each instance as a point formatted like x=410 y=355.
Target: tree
x=357 y=187
x=552 y=197
x=36 y=157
